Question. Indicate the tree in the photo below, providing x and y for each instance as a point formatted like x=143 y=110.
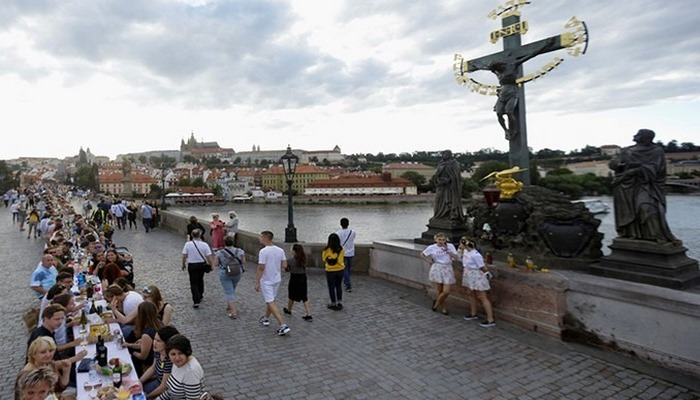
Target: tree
x=415 y=178
x=549 y=153
x=143 y=159
x=198 y=182
x=486 y=168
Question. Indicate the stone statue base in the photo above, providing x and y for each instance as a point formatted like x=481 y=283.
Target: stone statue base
x=664 y=265
x=453 y=229
x=127 y=188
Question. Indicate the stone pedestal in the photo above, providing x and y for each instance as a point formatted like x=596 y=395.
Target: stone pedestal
x=453 y=229
x=647 y=262
x=127 y=188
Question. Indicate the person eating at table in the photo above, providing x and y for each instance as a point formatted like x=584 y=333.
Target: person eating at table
x=186 y=380
x=145 y=327
x=124 y=306
x=41 y=354
x=155 y=378
x=165 y=310
x=36 y=384
x=52 y=319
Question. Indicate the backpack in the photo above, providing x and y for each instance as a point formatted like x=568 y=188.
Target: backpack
x=235 y=264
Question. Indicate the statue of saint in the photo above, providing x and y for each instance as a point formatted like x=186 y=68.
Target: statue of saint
x=638 y=191
x=448 y=190
x=126 y=169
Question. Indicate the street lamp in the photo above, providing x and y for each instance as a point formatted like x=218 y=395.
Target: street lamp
x=289 y=165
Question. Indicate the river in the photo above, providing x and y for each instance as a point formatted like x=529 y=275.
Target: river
x=375 y=222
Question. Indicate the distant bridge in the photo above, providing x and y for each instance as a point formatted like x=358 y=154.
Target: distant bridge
x=688 y=184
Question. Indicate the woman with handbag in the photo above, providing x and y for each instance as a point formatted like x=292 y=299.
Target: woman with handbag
x=230 y=261
x=197 y=258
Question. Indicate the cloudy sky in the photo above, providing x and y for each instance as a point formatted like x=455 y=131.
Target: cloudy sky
x=367 y=75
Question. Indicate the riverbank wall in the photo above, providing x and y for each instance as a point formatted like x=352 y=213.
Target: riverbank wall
x=651 y=323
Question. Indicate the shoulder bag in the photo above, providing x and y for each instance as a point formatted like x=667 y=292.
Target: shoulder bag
x=207 y=266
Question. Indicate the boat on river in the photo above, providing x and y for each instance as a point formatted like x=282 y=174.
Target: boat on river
x=596 y=206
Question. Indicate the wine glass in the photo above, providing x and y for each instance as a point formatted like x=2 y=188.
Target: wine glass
x=83 y=342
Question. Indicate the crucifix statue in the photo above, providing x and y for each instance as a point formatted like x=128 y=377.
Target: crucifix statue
x=507 y=65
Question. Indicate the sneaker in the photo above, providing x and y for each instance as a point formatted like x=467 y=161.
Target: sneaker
x=348 y=289
x=339 y=307
x=287 y=311
x=332 y=307
x=487 y=324
x=283 y=330
x=307 y=318
x=471 y=317
x=195 y=305
x=264 y=321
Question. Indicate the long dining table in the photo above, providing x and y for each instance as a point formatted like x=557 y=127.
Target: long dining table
x=89 y=383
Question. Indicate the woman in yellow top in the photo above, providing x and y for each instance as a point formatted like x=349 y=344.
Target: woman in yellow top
x=333 y=258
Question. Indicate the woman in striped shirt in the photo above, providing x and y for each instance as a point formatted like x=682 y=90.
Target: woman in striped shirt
x=155 y=379
x=186 y=380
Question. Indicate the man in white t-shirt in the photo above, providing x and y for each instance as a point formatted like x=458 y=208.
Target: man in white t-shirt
x=271 y=261
x=347 y=240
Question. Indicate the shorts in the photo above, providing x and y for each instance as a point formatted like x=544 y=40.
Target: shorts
x=442 y=273
x=269 y=291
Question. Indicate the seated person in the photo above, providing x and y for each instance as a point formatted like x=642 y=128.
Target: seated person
x=41 y=354
x=155 y=378
x=145 y=327
x=52 y=319
x=124 y=306
x=36 y=384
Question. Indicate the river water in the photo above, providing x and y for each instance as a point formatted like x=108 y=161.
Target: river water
x=375 y=222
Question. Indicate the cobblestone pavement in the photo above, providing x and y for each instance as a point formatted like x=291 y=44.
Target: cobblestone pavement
x=385 y=344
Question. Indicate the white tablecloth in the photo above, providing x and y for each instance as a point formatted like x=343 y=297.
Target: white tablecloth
x=112 y=351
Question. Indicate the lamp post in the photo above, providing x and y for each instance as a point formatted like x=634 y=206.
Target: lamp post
x=289 y=165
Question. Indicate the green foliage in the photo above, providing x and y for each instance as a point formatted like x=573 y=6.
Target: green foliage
x=486 y=168
x=560 y=171
x=162 y=160
x=469 y=187
x=575 y=186
x=416 y=178
x=198 y=182
x=184 y=181
x=8 y=179
x=86 y=177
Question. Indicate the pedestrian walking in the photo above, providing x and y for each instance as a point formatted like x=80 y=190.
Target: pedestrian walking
x=439 y=256
x=230 y=262
x=271 y=261
x=298 y=288
x=197 y=258
x=146 y=215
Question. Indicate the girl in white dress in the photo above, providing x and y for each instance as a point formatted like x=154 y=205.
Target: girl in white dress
x=439 y=256
x=474 y=278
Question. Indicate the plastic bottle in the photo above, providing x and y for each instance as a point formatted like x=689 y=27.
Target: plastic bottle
x=92 y=373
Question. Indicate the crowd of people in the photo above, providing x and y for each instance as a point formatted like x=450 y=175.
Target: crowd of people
x=76 y=244
x=78 y=252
